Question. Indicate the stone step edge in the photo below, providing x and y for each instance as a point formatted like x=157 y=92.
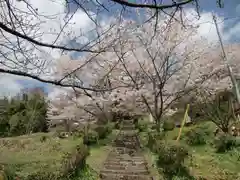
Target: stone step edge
x=113 y=176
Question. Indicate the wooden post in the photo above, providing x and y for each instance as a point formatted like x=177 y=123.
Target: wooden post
x=183 y=122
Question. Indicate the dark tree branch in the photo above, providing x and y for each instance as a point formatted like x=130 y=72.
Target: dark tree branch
x=16 y=33
x=54 y=82
x=151 y=6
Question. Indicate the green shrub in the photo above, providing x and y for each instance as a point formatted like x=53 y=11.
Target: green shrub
x=43 y=175
x=168 y=125
x=171 y=156
x=79 y=133
x=110 y=127
x=224 y=142
x=90 y=138
x=154 y=136
x=142 y=125
x=75 y=161
x=104 y=131
x=71 y=164
x=197 y=136
x=43 y=138
x=117 y=125
x=7 y=172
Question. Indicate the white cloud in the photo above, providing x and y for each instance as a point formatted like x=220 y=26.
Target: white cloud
x=9 y=85
x=233 y=32
x=206 y=25
x=238 y=9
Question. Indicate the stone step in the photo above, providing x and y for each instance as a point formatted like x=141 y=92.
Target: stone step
x=125 y=162
x=126 y=171
x=126 y=168
x=127 y=121
x=113 y=161
x=129 y=155
x=128 y=127
x=135 y=163
x=123 y=153
x=113 y=176
x=124 y=165
x=126 y=158
x=115 y=167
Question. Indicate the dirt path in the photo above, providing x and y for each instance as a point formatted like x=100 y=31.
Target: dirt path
x=126 y=161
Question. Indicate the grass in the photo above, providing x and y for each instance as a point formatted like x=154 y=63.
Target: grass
x=208 y=164
x=27 y=154
x=97 y=157
x=151 y=160
x=205 y=163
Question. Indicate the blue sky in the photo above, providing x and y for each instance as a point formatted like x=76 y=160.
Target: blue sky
x=231 y=12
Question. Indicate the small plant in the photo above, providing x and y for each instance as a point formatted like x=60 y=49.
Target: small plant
x=117 y=125
x=78 y=134
x=171 y=156
x=42 y=175
x=224 y=143
x=197 y=136
x=168 y=125
x=7 y=173
x=43 y=138
x=142 y=125
x=90 y=138
x=103 y=131
x=75 y=160
x=153 y=137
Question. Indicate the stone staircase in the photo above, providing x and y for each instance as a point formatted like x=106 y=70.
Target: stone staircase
x=125 y=161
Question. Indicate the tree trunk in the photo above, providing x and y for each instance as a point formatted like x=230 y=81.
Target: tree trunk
x=158 y=125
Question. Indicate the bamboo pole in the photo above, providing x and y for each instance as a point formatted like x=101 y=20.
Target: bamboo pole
x=183 y=122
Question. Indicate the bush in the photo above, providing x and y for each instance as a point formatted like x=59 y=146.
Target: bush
x=168 y=125
x=197 y=136
x=171 y=156
x=78 y=133
x=43 y=138
x=104 y=131
x=43 y=175
x=117 y=125
x=142 y=125
x=90 y=138
x=7 y=172
x=75 y=160
x=71 y=164
x=224 y=142
x=153 y=137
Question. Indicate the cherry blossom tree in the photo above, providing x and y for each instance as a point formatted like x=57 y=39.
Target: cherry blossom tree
x=147 y=68
x=161 y=62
